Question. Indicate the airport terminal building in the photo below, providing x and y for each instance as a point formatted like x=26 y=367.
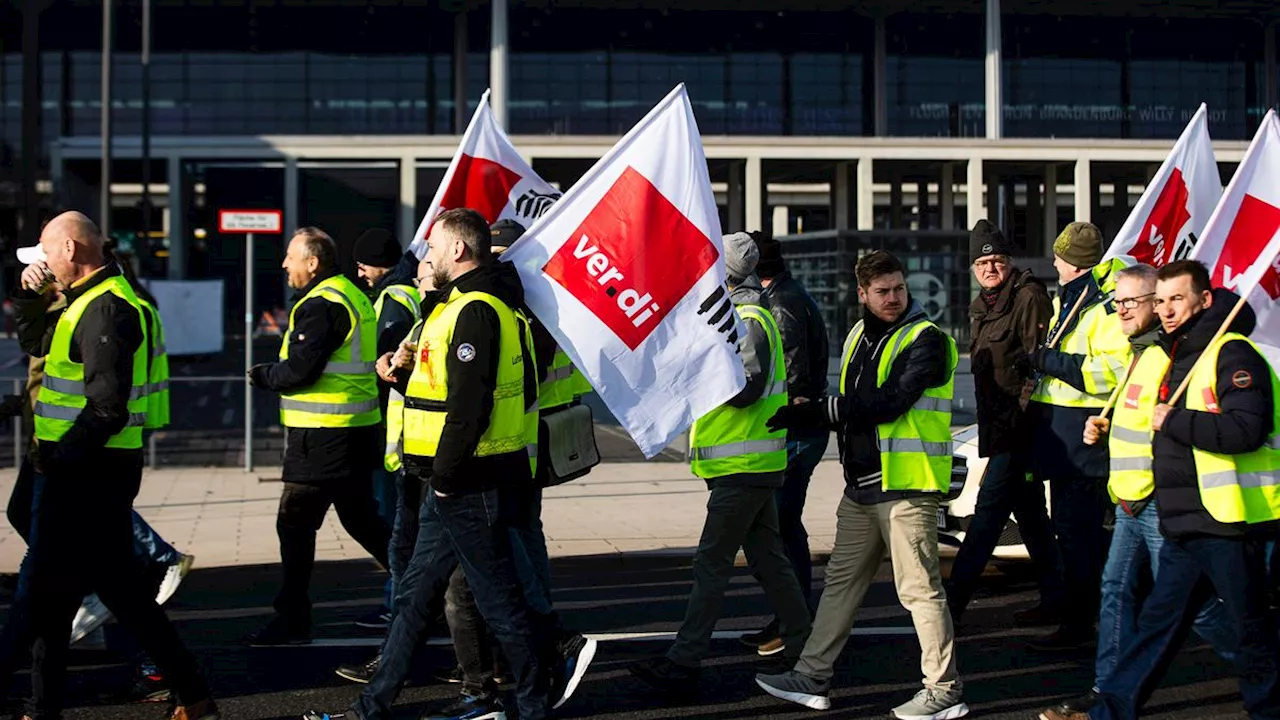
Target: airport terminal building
x=894 y=115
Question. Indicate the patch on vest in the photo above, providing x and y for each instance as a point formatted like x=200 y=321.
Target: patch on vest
x=1210 y=400
x=466 y=352
x=1131 y=398
x=1242 y=379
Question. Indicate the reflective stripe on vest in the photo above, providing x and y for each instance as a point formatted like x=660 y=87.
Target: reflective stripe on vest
x=393 y=453
x=1098 y=337
x=157 y=388
x=61 y=397
x=406 y=295
x=729 y=440
x=564 y=383
x=534 y=404
x=915 y=449
x=424 y=408
x=1129 y=440
x=346 y=395
x=1236 y=488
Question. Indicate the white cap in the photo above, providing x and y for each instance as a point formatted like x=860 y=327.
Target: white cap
x=31 y=254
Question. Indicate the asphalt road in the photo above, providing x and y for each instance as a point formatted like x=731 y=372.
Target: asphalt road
x=216 y=608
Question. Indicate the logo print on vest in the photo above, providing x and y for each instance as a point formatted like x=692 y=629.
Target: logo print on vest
x=1131 y=397
x=1242 y=379
x=1210 y=400
x=466 y=352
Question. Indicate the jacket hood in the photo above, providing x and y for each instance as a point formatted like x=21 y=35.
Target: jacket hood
x=1144 y=339
x=1195 y=334
x=404 y=273
x=749 y=292
x=498 y=279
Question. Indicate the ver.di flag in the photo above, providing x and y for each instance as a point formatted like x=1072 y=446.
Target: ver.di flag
x=1247 y=217
x=627 y=272
x=488 y=176
x=1176 y=204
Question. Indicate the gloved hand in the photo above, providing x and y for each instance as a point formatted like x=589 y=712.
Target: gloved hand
x=805 y=415
x=258 y=375
x=1032 y=362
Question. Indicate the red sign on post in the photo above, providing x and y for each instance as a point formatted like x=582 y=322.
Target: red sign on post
x=250 y=221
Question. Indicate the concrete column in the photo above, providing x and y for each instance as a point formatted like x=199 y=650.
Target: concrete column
x=736 y=214
x=975 y=198
x=947 y=196
x=995 y=103
x=781 y=220
x=290 y=213
x=895 y=201
x=1269 y=64
x=866 y=195
x=841 y=194
x=1084 y=194
x=754 y=189
x=498 y=62
x=1050 y=207
x=879 y=60
x=408 y=224
x=177 y=220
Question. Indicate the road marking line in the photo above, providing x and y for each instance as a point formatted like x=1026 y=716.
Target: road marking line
x=658 y=636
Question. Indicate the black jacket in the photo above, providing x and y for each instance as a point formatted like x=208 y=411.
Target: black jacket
x=1243 y=390
x=804 y=336
x=1006 y=324
x=864 y=405
x=105 y=340
x=455 y=469
x=395 y=321
x=317 y=455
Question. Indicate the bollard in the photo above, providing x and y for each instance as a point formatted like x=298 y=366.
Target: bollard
x=151 y=449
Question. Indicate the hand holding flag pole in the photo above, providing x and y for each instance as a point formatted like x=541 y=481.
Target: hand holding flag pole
x=1247 y=285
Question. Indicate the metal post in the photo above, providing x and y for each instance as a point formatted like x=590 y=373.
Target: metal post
x=146 y=124
x=498 y=82
x=151 y=449
x=994 y=101
x=17 y=427
x=248 y=352
x=104 y=221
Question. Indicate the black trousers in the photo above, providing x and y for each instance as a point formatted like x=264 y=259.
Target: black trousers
x=301 y=513
x=83 y=542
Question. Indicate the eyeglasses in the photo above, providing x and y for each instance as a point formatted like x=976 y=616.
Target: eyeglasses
x=1133 y=302
x=994 y=263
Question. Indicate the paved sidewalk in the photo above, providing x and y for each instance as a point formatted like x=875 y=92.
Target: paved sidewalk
x=226 y=517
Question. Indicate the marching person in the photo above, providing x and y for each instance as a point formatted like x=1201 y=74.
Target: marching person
x=893 y=416
x=329 y=407
x=1009 y=318
x=743 y=463
x=89 y=419
x=1214 y=457
x=1136 y=541
x=389 y=272
x=805 y=349
x=1071 y=383
x=464 y=441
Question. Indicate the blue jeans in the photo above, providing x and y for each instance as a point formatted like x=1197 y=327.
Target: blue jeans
x=1236 y=569
x=1079 y=508
x=1006 y=491
x=804 y=452
x=386 y=493
x=470 y=531
x=15 y=639
x=533 y=565
x=148 y=545
x=1135 y=545
x=404 y=528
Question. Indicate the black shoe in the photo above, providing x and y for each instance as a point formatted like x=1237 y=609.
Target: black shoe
x=280 y=632
x=379 y=619
x=666 y=676
x=1080 y=704
x=361 y=673
x=453 y=676
x=1038 y=616
x=576 y=654
x=763 y=635
x=1065 y=638
x=488 y=707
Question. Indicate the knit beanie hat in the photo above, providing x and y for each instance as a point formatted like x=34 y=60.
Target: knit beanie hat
x=771 y=263
x=740 y=256
x=986 y=239
x=377 y=248
x=1080 y=244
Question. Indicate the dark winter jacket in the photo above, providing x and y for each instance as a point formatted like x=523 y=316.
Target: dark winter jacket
x=1243 y=391
x=1007 y=324
x=395 y=321
x=804 y=336
x=455 y=469
x=318 y=455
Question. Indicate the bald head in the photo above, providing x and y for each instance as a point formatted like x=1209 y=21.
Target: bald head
x=72 y=246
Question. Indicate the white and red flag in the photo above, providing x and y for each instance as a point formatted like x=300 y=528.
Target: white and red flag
x=627 y=272
x=488 y=176
x=1177 y=203
x=1242 y=225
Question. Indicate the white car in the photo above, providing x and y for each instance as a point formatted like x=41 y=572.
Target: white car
x=954 y=516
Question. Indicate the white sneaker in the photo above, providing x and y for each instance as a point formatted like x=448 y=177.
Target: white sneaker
x=173 y=578
x=92 y=615
x=932 y=704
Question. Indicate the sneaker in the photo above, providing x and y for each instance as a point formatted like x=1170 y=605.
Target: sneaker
x=797 y=688
x=280 y=632
x=667 y=676
x=1064 y=639
x=173 y=576
x=469 y=707
x=1076 y=706
x=932 y=704
x=203 y=710
x=577 y=652
x=772 y=647
x=1057 y=714
x=92 y=615
x=150 y=685
x=361 y=673
x=317 y=715
x=1038 y=616
x=454 y=676
x=761 y=636
x=379 y=619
